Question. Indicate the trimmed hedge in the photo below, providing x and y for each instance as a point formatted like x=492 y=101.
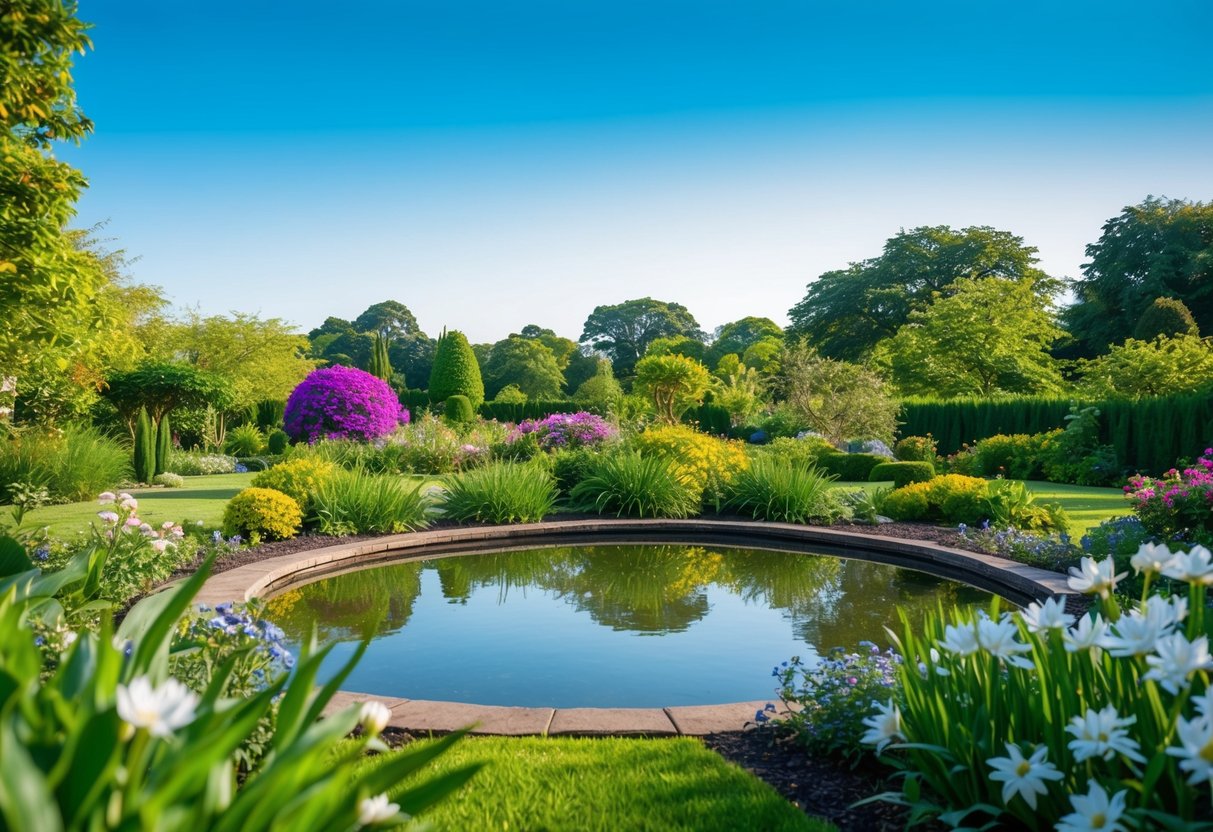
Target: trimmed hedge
x=850 y=467
x=456 y=371
x=458 y=410
x=902 y=473
x=510 y=412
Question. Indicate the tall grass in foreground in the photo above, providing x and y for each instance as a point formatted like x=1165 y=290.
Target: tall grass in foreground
x=779 y=491
x=503 y=492
x=630 y=485
x=72 y=464
x=357 y=502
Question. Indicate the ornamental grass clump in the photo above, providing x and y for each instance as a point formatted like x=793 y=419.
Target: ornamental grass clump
x=776 y=490
x=631 y=485
x=342 y=403
x=1045 y=720
x=503 y=492
x=359 y=502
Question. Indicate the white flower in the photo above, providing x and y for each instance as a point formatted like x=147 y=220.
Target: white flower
x=1136 y=634
x=998 y=638
x=108 y=517
x=1089 y=634
x=105 y=498
x=1178 y=659
x=1102 y=734
x=884 y=726
x=373 y=810
x=159 y=545
x=1196 y=748
x=1090 y=577
x=1151 y=558
x=1093 y=812
x=167 y=525
x=1204 y=702
x=160 y=710
x=1024 y=777
x=128 y=502
x=374 y=716
x=145 y=528
x=1195 y=567
x=960 y=639
x=1051 y=615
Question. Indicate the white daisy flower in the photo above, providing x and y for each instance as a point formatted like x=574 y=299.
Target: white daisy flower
x=1151 y=558
x=1102 y=734
x=1195 y=567
x=884 y=726
x=1051 y=615
x=1091 y=577
x=1195 y=751
x=160 y=710
x=376 y=810
x=1088 y=635
x=1094 y=812
x=1025 y=777
x=1177 y=659
x=998 y=639
x=960 y=639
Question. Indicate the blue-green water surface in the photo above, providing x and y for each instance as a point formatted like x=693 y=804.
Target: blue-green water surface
x=603 y=626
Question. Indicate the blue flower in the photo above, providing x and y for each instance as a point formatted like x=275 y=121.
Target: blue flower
x=759 y=716
x=42 y=553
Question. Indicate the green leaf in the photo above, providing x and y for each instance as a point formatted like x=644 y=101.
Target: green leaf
x=26 y=800
x=13 y=559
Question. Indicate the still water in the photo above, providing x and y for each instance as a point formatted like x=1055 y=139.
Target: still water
x=603 y=626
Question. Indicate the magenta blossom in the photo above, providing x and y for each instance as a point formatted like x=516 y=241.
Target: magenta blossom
x=567 y=430
x=342 y=403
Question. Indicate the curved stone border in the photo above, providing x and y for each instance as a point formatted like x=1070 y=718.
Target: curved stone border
x=1016 y=582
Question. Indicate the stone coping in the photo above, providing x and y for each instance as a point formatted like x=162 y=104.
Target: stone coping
x=1016 y=582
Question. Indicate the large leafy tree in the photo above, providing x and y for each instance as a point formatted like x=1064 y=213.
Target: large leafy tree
x=526 y=364
x=738 y=336
x=163 y=386
x=845 y=313
x=840 y=400
x=352 y=343
x=673 y=382
x=624 y=330
x=1160 y=248
x=1158 y=367
x=390 y=319
x=988 y=336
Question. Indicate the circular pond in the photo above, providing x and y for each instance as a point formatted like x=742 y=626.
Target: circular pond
x=602 y=626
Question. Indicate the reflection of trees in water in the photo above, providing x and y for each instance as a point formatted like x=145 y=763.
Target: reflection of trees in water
x=642 y=589
x=376 y=600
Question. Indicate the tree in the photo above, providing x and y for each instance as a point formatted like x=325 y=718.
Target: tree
x=1160 y=248
x=162 y=387
x=526 y=364
x=563 y=349
x=739 y=336
x=456 y=371
x=390 y=319
x=840 y=400
x=600 y=392
x=624 y=331
x=764 y=356
x=673 y=382
x=1158 y=367
x=1167 y=317
x=677 y=345
x=988 y=336
x=738 y=389
x=845 y=313
x=380 y=364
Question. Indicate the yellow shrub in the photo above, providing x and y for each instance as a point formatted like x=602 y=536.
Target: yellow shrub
x=706 y=462
x=262 y=513
x=299 y=478
x=953 y=498
x=910 y=502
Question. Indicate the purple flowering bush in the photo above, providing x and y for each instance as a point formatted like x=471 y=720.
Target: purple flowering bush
x=342 y=403
x=1179 y=503
x=562 y=431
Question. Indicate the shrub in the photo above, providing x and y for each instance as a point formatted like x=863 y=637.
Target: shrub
x=194 y=464
x=568 y=430
x=357 y=502
x=144 y=456
x=299 y=478
x=504 y=492
x=245 y=440
x=169 y=480
x=429 y=446
x=672 y=382
x=851 y=467
x=631 y=485
x=902 y=473
x=570 y=467
x=783 y=421
x=342 y=403
x=72 y=464
x=706 y=463
x=455 y=370
x=800 y=451
x=277 y=442
x=953 y=498
x=1017 y=456
x=164 y=444
x=916 y=449
x=510 y=394
x=778 y=491
x=262 y=513
x=910 y=502
x=1012 y=505
x=1076 y=456
x=458 y=410
x=1177 y=504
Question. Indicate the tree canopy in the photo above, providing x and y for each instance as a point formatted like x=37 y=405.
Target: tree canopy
x=840 y=400
x=625 y=330
x=1158 y=367
x=845 y=313
x=526 y=364
x=739 y=336
x=673 y=382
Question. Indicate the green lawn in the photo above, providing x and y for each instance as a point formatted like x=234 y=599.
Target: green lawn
x=557 y=784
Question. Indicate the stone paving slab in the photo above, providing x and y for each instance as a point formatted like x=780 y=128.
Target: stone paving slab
x=343 y=699
x=588 y=722
x=427 y=715
x=698 y=720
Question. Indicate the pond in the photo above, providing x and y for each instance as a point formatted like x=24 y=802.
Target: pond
x=603 y=626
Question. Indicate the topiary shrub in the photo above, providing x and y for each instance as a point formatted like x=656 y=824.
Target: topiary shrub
x=300 y=478
x=459 y=410
x=342 y=403
x=277 y=442
x=902 y=473
x=851 y=467
x=510 y=394
x=262 y=514
x=916 y=449
x=953 y=498
x=164 y=444
x=455 y=370
x=145 y=448
x=910 y=502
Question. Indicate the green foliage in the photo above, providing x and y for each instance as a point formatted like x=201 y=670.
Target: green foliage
x=850 y=467
x=456 y=371
x=1165 y=318
x=1162 y=366
x=804 y=452
x=738 y=389
x=246 y=440
x=600 y=392
x=510 y=394
x=268 y=414
x=198 y=463
x=778 y=491
x=709 y=418
x=783 y=421
x=571 y=466
x=846 y=313
x=164 y=444
x=1018 y=456
x=458 y=410
x=673 y=382
x=72 y=464
x=677 y=345
x=840 y=401
x=739 y=336
x=262 y=514
x=165 y=386
x=144 y=464
x=381 y=363
x=503 y=492
x=902 y=473
x=916 y=449
x=504 y=412
x=277 y=442
x=358 y=502
x=527 y=364
x=169 y=480
x=1076 y=454
x=1012 y=505
x=953 y=498
x=631 y=485
x=300 y=478
x=624 y=331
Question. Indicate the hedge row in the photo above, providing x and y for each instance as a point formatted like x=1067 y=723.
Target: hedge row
x=1149 y=435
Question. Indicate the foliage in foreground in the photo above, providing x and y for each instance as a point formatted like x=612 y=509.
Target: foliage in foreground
x=503 y=492
x=70 y=464
x=631 y=485
x=358 y=502
x=778 y=491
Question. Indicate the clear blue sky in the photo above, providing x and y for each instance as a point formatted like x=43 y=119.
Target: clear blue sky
x=497 y=164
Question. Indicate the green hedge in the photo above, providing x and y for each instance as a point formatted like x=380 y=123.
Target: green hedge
x=1149 y=435
x=508 y=412
x=850 y=467
x=709 y=418
x=902 y=473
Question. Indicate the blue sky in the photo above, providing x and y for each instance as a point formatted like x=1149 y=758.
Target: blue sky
x=497 y=164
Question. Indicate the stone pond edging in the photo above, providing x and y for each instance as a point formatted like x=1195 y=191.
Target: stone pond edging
x=1017 y=582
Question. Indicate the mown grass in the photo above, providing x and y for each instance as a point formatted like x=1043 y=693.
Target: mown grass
x=556 y=784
